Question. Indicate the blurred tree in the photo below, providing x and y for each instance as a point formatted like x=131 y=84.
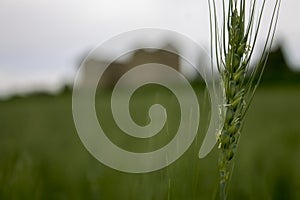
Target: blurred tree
x=277 y=68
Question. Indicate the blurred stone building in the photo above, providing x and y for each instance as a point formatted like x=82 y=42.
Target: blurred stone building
x=126 y=62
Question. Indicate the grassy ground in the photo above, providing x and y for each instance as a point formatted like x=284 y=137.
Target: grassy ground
x=42 y=157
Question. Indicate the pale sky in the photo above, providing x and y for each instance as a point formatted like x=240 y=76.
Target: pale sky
x=41 y=41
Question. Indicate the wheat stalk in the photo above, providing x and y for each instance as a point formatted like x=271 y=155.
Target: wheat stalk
x=232 y=49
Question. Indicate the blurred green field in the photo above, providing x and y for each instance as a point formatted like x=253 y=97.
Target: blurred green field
x=42 y=157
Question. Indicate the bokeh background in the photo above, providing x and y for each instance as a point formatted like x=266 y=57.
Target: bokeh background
x=42 y=44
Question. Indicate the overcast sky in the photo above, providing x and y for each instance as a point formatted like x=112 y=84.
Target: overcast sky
x=42 y=41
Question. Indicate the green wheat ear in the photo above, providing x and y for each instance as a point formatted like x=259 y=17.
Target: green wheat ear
x=232 y=48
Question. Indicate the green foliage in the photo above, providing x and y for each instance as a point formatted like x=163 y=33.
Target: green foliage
x=41 y=156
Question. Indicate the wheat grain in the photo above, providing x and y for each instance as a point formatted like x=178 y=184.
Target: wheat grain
x=234 y=48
